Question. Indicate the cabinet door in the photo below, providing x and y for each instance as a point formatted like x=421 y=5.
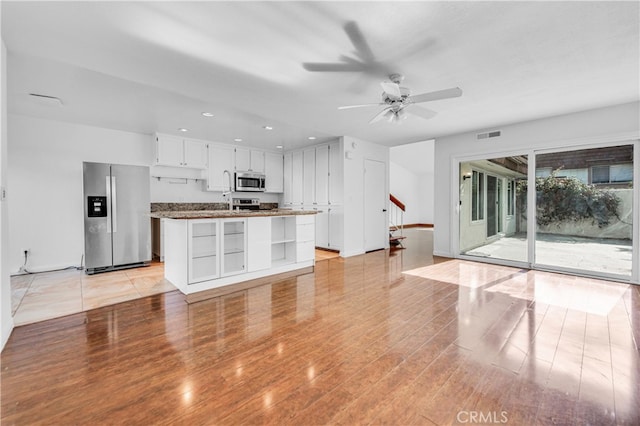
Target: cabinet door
x=296 y=178
x=322 y=175
x=257 y=161
x=169 y=151
x=335 y=227
x=274 y=172
x=204 y=262
x=220 y=159
x=305 y=238
x=233 y=246
x=322 y=227
x=195 y=154
x=259 y=243
x=309 y=175
x=287 y=178
x=335 y=174
x=242 y=159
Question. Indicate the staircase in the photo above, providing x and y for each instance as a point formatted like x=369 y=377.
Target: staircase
x=396 y=216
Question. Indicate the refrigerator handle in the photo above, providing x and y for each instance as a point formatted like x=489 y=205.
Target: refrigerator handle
x=108 y=181
x=114 y=209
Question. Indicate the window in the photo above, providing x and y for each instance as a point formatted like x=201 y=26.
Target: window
x=477 y=196
x=511 y=197
x=617 y=173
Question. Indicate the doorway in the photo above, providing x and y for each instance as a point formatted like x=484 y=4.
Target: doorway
x=376 y=225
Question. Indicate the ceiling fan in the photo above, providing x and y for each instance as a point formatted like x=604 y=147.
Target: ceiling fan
x=398 y=101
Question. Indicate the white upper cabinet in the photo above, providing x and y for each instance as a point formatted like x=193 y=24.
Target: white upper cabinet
x=243 y=159
x=313 y=176
x=177 y=152
x=274 y=172
x=335 y=173
x=249 y=160
x=220 y=159
x=296 y=177
x=309 y=174
x=322 y=175
x=169 y=151
x=195 y=154
x=288 y=177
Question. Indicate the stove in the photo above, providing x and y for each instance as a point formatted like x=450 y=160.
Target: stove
x=246 y=203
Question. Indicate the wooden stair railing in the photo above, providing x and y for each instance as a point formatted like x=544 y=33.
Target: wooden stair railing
x=397 y=202
x=394 y=240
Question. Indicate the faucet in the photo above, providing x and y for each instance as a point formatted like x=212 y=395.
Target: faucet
x=227 y=193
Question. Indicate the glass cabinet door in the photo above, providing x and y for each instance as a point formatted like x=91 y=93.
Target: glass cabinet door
x=234 y=246
x=203 y=250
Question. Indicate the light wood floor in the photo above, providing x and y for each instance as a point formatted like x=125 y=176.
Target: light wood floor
x=386 y=338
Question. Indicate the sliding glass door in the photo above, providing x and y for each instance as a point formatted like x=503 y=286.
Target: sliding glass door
x=584 y=211
x=573 y=212
x=493 y=206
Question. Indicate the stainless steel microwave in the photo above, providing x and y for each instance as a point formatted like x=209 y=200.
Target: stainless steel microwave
x=250 y=182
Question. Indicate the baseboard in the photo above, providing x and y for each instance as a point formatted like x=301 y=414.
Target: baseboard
x=416 y=225
x=50 y=268
x=244 y=285
x=351 y=253
x=442 y=254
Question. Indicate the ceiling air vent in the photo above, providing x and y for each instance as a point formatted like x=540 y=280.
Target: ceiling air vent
x=488 y=135
x=46 y=100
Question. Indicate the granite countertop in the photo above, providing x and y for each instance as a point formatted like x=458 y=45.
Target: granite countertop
x=221 y=214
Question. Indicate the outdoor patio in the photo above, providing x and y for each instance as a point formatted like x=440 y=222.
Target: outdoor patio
x=602 y=255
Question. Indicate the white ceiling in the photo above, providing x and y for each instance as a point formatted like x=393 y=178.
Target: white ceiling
x=154 y=66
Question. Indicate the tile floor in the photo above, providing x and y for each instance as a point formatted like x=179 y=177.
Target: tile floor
x=38 y=297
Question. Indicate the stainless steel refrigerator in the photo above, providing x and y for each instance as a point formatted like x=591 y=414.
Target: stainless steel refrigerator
x=117 y=226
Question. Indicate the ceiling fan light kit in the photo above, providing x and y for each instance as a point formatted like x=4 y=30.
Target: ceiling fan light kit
x=398 y=101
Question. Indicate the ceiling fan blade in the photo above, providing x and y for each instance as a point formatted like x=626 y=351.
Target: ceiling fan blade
x=359 y=42
x=380 y=115
x=420 y=112
x=434 y=96
x=333 y=67
x=391 y=89
x=358 y=106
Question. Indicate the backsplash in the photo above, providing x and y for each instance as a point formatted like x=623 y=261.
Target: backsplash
x=181 y=207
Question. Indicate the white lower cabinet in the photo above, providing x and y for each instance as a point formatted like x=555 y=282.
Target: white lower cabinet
x=204 y=262
x=216 y=248
x=233 y=246
x=203 y=254
x=305 y=238
x=259 y=246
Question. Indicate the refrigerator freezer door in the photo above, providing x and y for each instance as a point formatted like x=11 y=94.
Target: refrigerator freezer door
x=131 y=224
x=97 y=236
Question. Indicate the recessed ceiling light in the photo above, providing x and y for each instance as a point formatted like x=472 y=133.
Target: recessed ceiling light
x=182 y=129
x=267 y=127
x=207 y=114
x=279 y=146
x=311 y=138
x=237 y=140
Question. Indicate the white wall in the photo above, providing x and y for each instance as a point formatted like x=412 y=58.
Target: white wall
x=560 y=131
x=46 y=169
x=354 y=211
x=411 y=180
x=6 y=320
x=46 y=211
x=415 y=191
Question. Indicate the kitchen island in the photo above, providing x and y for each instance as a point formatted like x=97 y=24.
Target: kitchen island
x=208 y=253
